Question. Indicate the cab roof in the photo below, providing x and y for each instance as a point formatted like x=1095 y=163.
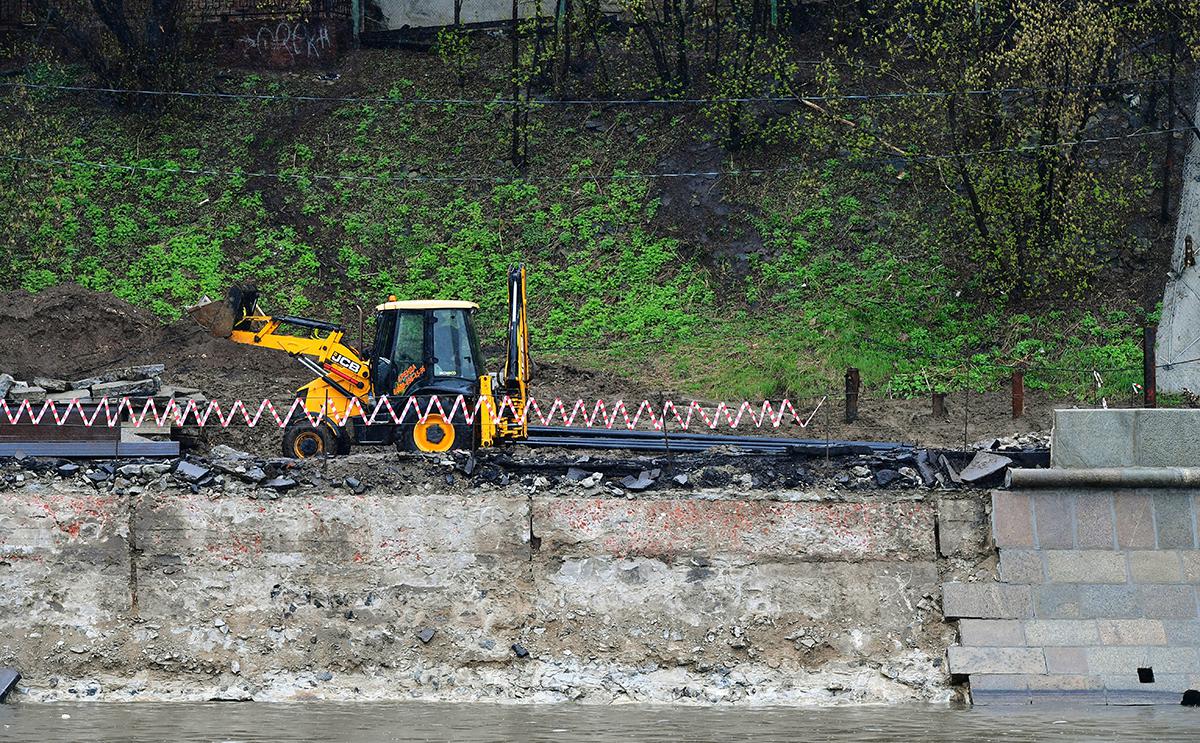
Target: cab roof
x=428 y=304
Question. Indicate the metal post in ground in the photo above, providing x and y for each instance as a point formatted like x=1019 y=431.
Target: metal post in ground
x=662 y=403
x=852 y=385
x=966 y=410
x=828 y=397
x=1018 y=393
x=1149 y=367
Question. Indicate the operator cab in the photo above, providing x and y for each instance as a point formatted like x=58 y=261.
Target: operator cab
x=426 y=347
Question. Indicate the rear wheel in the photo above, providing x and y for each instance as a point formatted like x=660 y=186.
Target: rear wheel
x=305 y=440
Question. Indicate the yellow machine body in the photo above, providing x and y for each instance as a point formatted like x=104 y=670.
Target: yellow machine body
x=343 y=375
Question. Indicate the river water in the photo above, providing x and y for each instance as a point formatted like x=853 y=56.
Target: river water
x=411 y=721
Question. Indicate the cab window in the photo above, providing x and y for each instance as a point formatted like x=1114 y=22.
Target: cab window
x=454 y=347
x=410 y=340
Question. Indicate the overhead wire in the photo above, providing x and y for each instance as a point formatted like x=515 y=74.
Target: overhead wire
x=418 y=178
x=701 y=101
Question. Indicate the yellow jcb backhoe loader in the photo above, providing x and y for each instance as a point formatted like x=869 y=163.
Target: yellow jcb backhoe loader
x=423 y=348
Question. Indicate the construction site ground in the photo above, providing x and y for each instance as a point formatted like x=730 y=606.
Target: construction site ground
x=70 y=332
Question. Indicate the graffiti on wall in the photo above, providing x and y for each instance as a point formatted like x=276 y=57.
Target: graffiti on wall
x=298 y=40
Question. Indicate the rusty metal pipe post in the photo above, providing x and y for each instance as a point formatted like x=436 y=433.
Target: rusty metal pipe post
x=1018 y=393
x=852 y=386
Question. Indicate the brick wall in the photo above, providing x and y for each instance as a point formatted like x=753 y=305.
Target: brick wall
x=278 y=34
x=1092 y=586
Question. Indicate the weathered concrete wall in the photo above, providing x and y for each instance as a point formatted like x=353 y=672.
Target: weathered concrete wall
x=278 y=43
x=1138 y=437
x=1178 y=342
x=151 y=590
x=424 y=13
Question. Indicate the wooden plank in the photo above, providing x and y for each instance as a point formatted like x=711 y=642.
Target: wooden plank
x=51 y=432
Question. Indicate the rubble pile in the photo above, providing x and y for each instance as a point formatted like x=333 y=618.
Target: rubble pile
x=144 y=381
x=226 y=469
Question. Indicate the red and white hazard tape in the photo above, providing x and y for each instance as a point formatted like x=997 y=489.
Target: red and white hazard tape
x=118 y=411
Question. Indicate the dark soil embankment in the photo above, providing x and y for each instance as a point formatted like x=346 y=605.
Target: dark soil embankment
x=70 y=332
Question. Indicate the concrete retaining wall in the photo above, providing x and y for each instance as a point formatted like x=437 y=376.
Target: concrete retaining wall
x=412 y=590
x=1126 y=438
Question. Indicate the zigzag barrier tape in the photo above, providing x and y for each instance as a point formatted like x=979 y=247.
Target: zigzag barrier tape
x=115 y=411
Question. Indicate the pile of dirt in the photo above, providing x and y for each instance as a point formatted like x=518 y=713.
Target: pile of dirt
x=71 y=332
x=68 y=331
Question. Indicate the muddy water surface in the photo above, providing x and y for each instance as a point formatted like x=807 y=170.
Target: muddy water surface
x=368 y=723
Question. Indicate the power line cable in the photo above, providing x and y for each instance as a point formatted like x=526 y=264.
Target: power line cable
x=893 y=95
x=104 y=165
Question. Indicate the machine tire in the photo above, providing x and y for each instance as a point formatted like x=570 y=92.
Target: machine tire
x=434 y=434
x=304 y=440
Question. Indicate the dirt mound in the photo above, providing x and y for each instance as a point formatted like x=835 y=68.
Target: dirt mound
x=68 y=331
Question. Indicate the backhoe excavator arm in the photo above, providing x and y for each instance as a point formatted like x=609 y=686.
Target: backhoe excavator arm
x=341 y=371
x=516 y=373
x=322 y=353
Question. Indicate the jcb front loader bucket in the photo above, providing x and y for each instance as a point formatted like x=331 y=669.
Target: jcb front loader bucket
x=220 y=318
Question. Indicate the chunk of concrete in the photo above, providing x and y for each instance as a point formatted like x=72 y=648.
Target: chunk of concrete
x=641 y=482
x=6 y=384
x=125 y=388
x=127 y=374
x=949 y=468
x=69 y=395
x=191 y=472
x=141 y=372
x=984 y=465
x=50 y=384
x=886 y=477
x=21 y=392
x=168 y=390
x=8 y=681
x=926 y=469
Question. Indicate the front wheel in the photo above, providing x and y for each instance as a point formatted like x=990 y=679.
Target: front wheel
x=433 y=434
x=304 y=440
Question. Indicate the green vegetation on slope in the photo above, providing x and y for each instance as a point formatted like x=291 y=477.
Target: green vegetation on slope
x=847 y=263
